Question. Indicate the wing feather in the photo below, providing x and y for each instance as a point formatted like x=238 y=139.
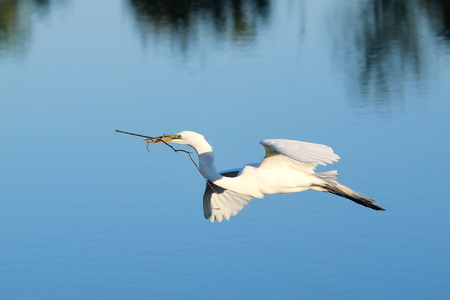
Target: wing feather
x=221 y=203
x=304 y=154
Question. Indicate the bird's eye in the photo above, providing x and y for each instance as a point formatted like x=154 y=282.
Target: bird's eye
x=176 y=136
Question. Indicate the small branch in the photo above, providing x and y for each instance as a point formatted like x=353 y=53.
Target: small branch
x=190 y=156
x=135 y=134
x=171 y=147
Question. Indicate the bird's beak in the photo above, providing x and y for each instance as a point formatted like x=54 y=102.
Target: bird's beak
x=159 y=139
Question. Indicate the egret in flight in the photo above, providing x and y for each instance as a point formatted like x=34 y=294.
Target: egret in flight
x=287 y=167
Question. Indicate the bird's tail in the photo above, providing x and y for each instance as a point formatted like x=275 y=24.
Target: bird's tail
x=330 y=177
x=343 y=191
x=330 y=184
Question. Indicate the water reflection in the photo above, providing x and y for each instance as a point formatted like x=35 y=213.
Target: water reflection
x=185 y=22
x=16 y=23
x=15 y=26
x=439 y=16
x=393 y=44
x=384 y=46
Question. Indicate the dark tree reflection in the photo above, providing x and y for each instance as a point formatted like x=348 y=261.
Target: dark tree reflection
x=390 y=43
x=184 y=21
x=15 y=26
x=392 y=39
x=439 y=16
x=16 y=23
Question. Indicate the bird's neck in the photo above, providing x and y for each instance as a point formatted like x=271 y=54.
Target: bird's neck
x=206 y=159
x=201 y=146
x=206 y=164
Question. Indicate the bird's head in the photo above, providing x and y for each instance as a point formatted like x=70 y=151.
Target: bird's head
x=190 y=138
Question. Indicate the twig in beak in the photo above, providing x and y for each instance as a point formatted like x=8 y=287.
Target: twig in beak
x=135 y=134
x=160 y=139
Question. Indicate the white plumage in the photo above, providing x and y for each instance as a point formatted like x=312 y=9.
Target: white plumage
x=287 y=167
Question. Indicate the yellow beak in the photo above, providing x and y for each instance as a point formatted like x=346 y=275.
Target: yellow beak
x=159 y=139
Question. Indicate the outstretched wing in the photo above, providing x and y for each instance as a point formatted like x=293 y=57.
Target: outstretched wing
x=301 y=154
x=221 y=203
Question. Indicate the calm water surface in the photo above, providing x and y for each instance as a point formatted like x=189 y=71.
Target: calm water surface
x=87 y=213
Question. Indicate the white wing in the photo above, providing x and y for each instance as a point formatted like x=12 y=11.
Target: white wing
x=302 y=154
x=221 y=203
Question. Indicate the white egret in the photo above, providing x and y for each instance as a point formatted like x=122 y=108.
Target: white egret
x=287 y=167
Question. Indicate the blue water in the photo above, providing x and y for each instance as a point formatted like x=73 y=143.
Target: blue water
x=88 y=213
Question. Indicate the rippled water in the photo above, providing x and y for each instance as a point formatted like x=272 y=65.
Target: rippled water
x=88 y=213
